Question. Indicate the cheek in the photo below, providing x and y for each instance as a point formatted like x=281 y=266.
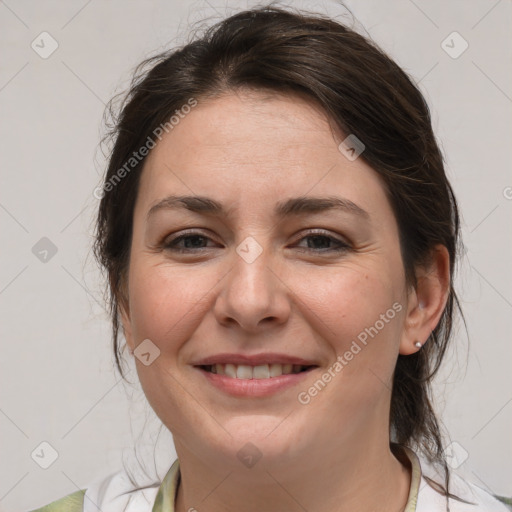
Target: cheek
x=165 y=302
x=359 y=313
x=348 y=301
x=165 y=306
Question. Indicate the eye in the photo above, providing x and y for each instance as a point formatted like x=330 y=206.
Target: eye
x=194 y=241
x=321 y=240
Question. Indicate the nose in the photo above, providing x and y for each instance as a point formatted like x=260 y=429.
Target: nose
x=253 y=296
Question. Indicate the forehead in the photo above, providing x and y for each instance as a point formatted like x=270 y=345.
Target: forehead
x=248 y=124
x=257 y=147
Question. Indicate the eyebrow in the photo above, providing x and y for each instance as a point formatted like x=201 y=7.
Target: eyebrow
x=290 y=207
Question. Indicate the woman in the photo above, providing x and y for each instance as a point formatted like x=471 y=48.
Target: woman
x=280 y=240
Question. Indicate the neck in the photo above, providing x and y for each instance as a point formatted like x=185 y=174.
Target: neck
x=362 y=476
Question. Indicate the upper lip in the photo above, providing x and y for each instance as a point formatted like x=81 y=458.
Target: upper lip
x=253 y=360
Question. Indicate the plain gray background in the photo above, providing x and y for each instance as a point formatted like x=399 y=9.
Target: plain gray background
x=57 y=380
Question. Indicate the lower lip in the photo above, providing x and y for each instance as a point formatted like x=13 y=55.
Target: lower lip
x=254 y=387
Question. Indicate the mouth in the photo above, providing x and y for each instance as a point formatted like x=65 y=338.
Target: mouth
x=253 y=376
x=256 y=372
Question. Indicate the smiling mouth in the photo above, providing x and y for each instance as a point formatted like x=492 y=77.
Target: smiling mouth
x=262 y=371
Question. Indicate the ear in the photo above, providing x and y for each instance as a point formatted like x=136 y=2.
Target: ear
x=427 y=301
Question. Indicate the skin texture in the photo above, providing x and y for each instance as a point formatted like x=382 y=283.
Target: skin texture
x=250 y=150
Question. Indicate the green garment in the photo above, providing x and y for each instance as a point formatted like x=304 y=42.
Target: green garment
x=71 y=503
x=164 y=501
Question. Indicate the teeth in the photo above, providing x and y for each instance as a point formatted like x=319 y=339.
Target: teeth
x=243 y=372
x=262 y=371
x=230 y=370
x=276 y=370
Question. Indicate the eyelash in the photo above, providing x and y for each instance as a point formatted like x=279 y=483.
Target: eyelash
x=171 y=244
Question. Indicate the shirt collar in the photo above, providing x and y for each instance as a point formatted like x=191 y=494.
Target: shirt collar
x=412 y=499
x=166 y=497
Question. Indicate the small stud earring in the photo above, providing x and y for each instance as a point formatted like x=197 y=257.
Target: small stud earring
x=418 y=344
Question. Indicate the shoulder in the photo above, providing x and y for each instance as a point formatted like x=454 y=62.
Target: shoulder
x=71 y=503
x=116 y=492
x=473 y=498
x=119 y=492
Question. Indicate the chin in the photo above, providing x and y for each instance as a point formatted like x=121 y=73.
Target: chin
x=273 y=438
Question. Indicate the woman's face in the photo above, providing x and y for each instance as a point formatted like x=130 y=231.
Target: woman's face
x=316 y=286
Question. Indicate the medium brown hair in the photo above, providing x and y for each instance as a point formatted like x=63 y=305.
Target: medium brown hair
x=363 y=92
